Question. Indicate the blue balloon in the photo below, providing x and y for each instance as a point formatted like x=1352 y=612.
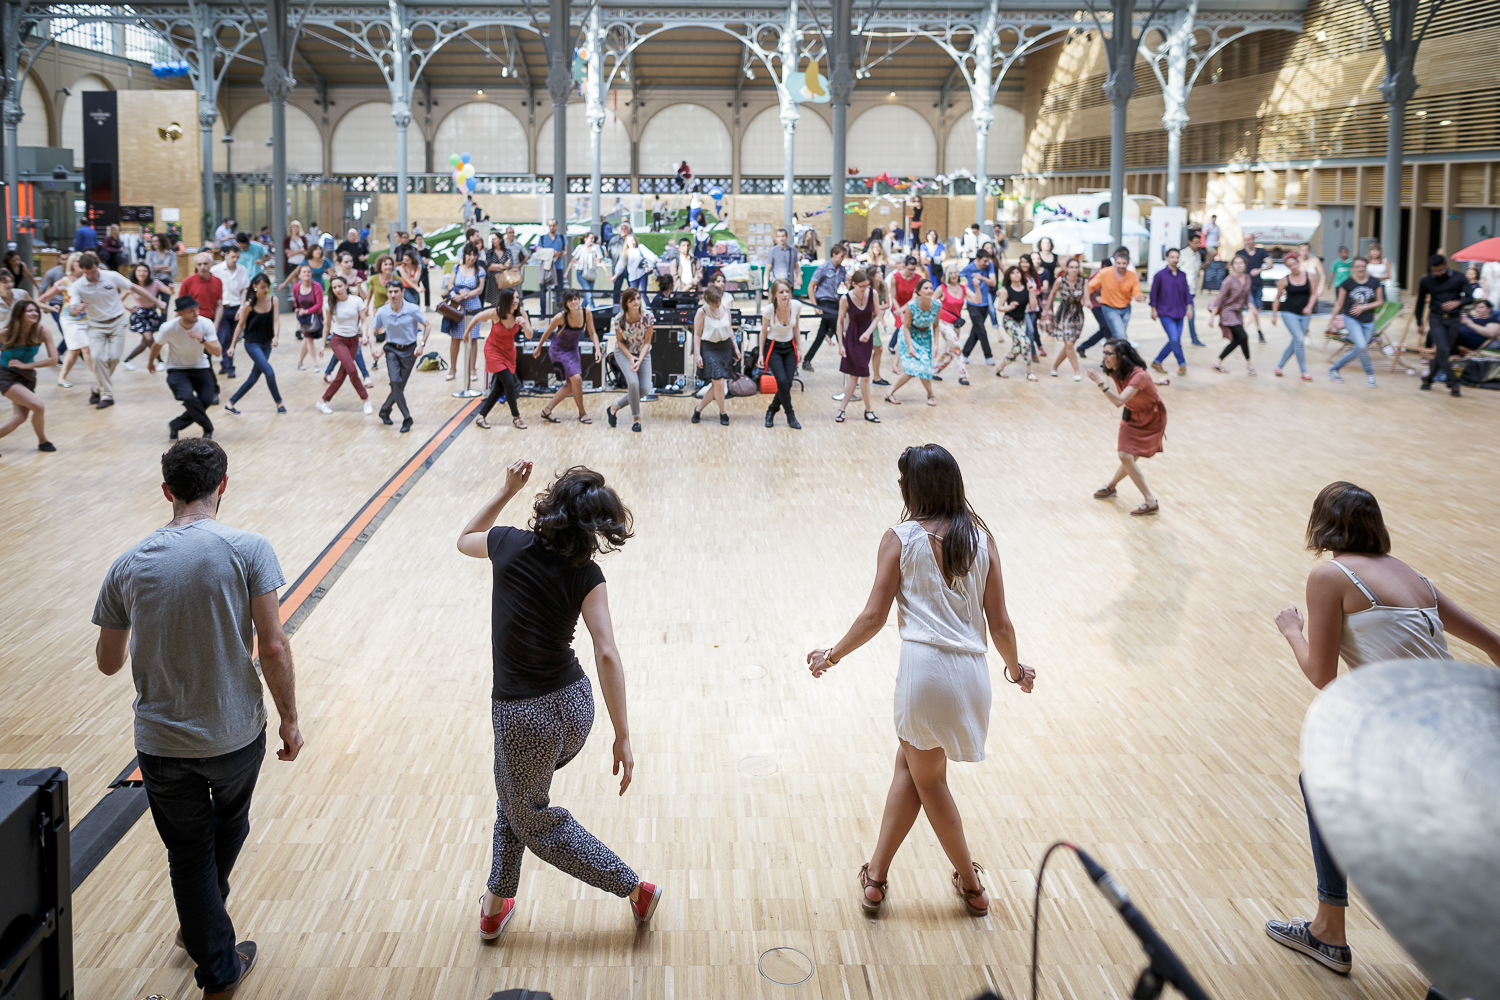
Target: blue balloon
x=463 y=157
x=471 y=183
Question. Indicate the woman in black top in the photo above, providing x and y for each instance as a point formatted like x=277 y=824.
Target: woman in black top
x=1014 y=298
x=542 y=705
x=258 y=326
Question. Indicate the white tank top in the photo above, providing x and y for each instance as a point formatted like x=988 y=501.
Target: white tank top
x=346 y=317
x=1381 y=632
x=717 y=328
x=930 y=611
x=775 y=330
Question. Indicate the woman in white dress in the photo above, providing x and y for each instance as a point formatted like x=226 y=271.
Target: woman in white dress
x=941 y=567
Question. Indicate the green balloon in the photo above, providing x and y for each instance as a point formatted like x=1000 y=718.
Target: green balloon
x=453 y=159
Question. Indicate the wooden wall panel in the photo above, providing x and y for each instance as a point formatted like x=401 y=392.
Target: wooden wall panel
x=160 y=172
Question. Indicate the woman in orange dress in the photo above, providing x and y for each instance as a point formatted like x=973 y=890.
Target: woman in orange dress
x=1143 y=423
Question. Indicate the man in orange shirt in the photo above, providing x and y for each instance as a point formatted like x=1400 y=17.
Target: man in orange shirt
x=1118 y=287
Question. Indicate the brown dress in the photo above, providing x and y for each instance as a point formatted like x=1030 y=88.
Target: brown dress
x=1144 y=422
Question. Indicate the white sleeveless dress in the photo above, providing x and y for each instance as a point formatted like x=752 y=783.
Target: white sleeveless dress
x=943 y=682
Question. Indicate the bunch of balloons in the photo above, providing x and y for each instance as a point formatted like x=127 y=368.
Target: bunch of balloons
x=172 y=67
x=463 y=172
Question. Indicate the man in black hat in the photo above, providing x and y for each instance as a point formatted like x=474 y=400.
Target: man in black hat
x=1449 y=293
x=189 y=340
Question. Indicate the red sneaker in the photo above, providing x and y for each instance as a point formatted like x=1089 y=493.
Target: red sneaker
x=490 y=925
x=643 y=907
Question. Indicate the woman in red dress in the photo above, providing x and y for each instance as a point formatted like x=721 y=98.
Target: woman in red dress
x=1142 y=425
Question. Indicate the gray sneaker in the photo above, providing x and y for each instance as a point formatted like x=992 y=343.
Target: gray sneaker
x=1334 y=376
x=1295 y=935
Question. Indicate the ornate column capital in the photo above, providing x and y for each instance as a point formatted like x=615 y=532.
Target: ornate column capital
x=206 y=115
x=559 y=83
x=278 y=83
x=401 y=113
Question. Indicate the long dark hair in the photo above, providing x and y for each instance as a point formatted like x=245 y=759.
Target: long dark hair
x=932 y=488
x=17 y=334
x=505 y=303
x=579 y=517
x=1127 y=359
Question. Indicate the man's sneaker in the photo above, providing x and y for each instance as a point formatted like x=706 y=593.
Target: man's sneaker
x=490 y=925
x=104 y=403
x=128 y=366
x=246 y=952
x=369 y=408
x=645 y=906
x=1334 y=375
x=322 y=407
x=1295 y=935
x=1370 y=381
x=990 y=362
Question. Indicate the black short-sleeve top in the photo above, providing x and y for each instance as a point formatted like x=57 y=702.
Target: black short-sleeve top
x=534 y=614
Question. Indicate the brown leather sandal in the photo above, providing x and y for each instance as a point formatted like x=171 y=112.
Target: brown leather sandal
x=871 y=907
x=1104 y=493
x=968 y=894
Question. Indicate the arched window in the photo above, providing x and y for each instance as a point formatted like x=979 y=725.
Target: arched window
x=614 y=144
x=252 y=142
x=491 y=135
x=688 y=132
x=1006 y=140
x=364 y=142
x=33 y=128
x=761 y=148
x=891 y=139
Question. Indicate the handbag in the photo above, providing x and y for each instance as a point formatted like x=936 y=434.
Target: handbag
x=1336 y=325
x=742 y=385
x=762 y=372
x=449 y=309
x=509 y=278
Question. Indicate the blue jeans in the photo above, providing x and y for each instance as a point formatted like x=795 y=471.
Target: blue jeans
x=1360 y=332
x=260 y=357
x=587 y=284
x=201 y=807
x=640 y=283
x=1296 y=325
x=1118 y=320
x=1173 y=346
x=1192 y=327
x=1333 y=888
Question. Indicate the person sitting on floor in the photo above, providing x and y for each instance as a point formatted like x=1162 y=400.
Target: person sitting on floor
x=1479 y=330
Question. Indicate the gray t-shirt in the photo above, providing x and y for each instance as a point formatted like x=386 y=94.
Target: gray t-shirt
x=184 y=594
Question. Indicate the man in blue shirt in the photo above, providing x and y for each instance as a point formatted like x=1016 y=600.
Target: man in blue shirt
x=781 y=260
x=824 y=289
x=979 y=275
x=251 y=251
x=402 y=323
x=552 y=280
x=85 y=238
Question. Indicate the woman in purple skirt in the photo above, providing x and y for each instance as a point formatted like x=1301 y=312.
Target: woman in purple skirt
x=568 y=326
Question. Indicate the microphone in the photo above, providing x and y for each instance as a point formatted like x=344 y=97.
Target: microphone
x=1165 y=966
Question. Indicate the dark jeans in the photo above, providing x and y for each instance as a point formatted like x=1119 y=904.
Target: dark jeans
x=400 y=360
x=1099 y=334
x=619 y=284
x=978 y=333
x=829 y=308
x=225 y=331
x=1445 y=342
x=502 y=383
x=201 y=807
x=194 y=389
x=260 y=355
x=1333 y=888
x=1237 y=338
x=783 y=366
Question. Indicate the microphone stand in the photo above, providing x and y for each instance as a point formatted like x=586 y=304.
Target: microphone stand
x=1165 y=967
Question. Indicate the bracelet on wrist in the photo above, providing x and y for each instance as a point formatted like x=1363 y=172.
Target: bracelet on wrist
x=828 y=657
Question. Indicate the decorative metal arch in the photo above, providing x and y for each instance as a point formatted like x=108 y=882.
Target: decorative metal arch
x=1211 y=32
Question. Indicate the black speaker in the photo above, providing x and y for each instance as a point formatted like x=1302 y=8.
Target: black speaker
x=36 y=895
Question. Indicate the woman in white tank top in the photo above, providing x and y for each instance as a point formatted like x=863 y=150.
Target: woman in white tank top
x=941 y=567
x=1366 y=606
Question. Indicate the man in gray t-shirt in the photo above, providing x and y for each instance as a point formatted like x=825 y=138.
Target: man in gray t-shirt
x=184 y=600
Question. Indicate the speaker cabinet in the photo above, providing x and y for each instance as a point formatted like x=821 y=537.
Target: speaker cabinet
x=36 y=896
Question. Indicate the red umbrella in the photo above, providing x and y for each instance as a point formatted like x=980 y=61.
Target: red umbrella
x=1484 y=250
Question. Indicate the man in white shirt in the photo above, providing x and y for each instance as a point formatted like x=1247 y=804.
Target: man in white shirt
x=1191 y=262
x=101 y=294
x=972 y=240
x=224 y=235
x=189 y=340
x=236 y=281
x=1211 y=235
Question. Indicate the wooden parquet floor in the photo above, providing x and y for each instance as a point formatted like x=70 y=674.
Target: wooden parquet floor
x=1162 y=735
